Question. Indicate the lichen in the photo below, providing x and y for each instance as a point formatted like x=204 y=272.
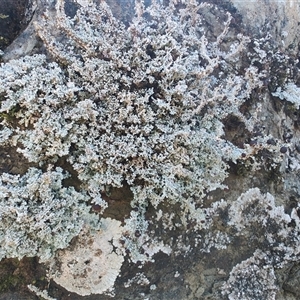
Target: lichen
x=251 y=280
x=141 y=106
x=35 y=208
x=255 y=277
x=290 y=92
x=40 y=293
x=93 y=263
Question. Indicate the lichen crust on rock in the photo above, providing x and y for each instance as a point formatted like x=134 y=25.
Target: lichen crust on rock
x=131 y=134
x=91 y=265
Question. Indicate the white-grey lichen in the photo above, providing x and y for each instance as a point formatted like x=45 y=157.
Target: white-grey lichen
x=290 y=92
x=141 y=105
x=251 y=280
x=40 y=293
x=254 y=278
x=38 y=215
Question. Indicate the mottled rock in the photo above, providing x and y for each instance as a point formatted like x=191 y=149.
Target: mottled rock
x=233 y=241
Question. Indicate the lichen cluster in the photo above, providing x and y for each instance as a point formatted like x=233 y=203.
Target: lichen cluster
x=255 y=278
x=128 y=104
x=141 y=106
x=35 y=210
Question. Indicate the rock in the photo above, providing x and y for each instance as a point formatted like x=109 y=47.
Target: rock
x=292 y=283
x=237 y=237
x=14 y=17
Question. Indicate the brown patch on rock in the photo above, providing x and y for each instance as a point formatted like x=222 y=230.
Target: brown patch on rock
x=16 y=274
x=118 y=200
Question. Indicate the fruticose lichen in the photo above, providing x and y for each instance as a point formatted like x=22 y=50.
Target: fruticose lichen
x=142 y=106
x=35 y=209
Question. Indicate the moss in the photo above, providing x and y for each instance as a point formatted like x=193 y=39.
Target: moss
x=274 y=174
x=9 y=283
x=241 y=167
x=290 y=109
x=10 y=116
x=16 y=274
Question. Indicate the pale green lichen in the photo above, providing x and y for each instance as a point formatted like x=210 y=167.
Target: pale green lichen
x=142 y=105
x=2 y=16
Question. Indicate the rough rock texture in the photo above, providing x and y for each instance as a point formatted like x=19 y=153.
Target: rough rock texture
x=14 y=17
x=280 y=19
x=151 y=152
